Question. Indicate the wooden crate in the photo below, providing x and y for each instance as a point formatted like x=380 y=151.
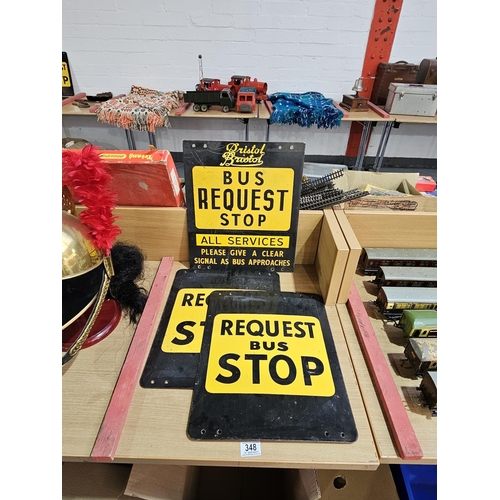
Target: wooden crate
x=162 y=232
x=378 y=229
x=384 y=230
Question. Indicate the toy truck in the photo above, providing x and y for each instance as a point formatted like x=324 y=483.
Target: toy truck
x=203 y=99
x=211 y=84
x=246 y=100
x=243 y=102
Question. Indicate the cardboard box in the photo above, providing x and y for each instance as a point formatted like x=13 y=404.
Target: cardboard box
x=165 y=482
x=413 y=201
x=144 y=178
x=173 y=482
x=414 y=99
x=94 y=481
x=357 y=485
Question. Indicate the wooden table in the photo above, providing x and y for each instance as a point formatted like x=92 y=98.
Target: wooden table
x=73 y=110
x=155 y=427
x=184 y=111
x=367 y=118
x=187 y=111
x=396 y=121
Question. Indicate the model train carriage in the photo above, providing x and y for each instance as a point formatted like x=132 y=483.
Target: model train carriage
x=393 y=300
x=422 y=355
x=373 y=258
x=418 y=323
x=428 y=387
x=406 y=276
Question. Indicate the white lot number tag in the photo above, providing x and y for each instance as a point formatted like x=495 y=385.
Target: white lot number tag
x=250 y=449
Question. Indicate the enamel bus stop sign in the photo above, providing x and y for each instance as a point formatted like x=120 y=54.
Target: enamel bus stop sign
x=269 y=370
x=173 y=358
x=242 y=203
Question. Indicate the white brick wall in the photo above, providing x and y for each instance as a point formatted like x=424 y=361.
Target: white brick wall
x=293 y=45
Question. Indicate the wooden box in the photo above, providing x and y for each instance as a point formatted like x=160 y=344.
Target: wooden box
x=410 y=200
x=384 y=230
x=321 y=246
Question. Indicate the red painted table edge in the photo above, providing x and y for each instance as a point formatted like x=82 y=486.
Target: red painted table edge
x=402 y=431
x=114 y=420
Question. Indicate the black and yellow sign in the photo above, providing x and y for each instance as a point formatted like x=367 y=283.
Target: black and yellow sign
x=243 y=204
x=174 y=354
x=67 y=83
x=268 y=369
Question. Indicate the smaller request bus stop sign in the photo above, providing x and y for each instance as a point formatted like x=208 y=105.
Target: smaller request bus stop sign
x=243 y=204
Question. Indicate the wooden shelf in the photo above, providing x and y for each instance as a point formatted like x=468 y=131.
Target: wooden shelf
x=392 y=343
x=328 y=246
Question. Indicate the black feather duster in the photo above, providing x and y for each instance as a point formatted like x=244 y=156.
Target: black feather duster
x=128 y=264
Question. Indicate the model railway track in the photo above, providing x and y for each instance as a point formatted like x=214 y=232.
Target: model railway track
x=329 y=198
x=309 y=187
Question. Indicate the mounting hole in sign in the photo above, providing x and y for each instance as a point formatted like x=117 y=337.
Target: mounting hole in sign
x=339 y=482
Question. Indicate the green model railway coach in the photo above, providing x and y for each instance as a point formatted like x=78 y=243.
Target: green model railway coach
x=418 y=323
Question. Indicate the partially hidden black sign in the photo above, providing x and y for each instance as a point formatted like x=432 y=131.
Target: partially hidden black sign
x=67 y=83
x=269 y=370
x=243 y=203
x=173 y=358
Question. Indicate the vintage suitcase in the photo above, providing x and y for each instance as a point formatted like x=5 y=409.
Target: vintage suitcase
x=399 y=72
x=412 y=99
x=428 y=72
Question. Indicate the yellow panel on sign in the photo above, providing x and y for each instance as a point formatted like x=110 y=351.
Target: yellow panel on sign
x=185 y=327
x=268 y=354
x=257 y=199
x=224 y=240
x=66 y=81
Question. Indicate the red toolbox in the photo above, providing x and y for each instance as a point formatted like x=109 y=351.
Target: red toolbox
x=426 y=184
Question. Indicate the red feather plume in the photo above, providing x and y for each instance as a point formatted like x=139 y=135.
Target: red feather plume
x=88 y=178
